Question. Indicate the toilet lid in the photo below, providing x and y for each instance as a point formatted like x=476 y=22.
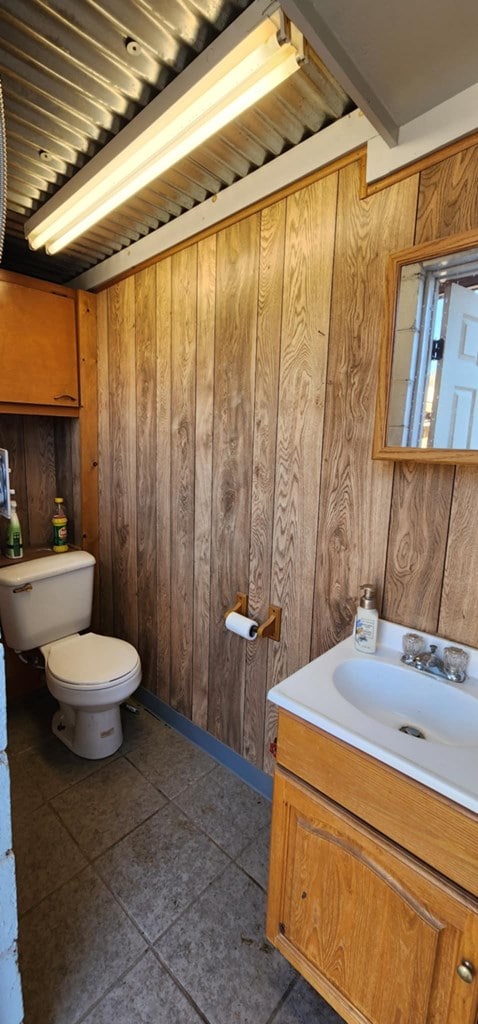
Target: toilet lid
x=92 y=659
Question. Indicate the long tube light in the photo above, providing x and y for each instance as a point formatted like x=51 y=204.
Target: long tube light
x=253 y=68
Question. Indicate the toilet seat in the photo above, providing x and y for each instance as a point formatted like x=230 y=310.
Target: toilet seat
x=92 y=661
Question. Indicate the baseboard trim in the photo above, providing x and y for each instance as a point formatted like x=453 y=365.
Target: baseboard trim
x=254 y=777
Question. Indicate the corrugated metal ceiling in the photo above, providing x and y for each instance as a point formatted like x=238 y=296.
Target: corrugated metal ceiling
x=74 y=73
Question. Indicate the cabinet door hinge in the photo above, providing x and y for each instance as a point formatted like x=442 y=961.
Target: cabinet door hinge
x=282 y=927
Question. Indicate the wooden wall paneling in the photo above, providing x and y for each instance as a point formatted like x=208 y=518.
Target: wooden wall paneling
x=269 y=323
x=355 y=494
x=458 y=612
x=183 y=423
x=206 y=309
x=448 y=197
x=449 y=204
x=40 y=476
x=124 y=493
x=417 y=542
x=146 y=439
x=67 y=469
x=163 y=475
x=309 y=250
x=12 y=438
x=236 y=329
x=86 y=431
x=423 y=499
x=105 y=486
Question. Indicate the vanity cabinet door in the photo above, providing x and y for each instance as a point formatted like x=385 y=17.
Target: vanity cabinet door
x=375 y=932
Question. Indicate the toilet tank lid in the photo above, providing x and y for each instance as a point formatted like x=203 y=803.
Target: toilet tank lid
x=41 y=568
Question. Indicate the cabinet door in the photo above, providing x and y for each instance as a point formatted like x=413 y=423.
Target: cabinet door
x=37 y=347
x=378 y=934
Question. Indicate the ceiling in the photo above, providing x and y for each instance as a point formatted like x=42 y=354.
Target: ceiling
x=75 y=73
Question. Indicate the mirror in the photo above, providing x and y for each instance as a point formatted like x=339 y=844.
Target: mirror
x=427 y=406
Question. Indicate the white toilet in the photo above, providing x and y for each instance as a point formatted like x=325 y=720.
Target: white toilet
x=45 y=603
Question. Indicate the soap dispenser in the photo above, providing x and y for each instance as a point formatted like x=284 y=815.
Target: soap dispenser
x=366 y=621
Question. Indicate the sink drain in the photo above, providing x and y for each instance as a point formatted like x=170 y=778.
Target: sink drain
x=411 y=730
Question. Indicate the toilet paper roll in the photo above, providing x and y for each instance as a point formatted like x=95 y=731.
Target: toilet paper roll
x=241 y=625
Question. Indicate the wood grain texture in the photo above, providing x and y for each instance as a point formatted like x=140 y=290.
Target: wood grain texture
x=332 y=878
x=87 y=431
x=146 y=429
x=40 y=474
x=206 y=308
x=448 y=197
x=355 y=492
x=256 y=488
x=310 y=231
x=422 y=500
x=183 y=424
x=417 y=544
x=236 y=331
x=162 y=470
x=124 y=506
x=105 y=484
x=385 y=799
x=67 y=474
x=269 y=316
x=458 y=611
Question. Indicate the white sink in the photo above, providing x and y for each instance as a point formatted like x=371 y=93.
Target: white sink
x=401 y=699
x=366 y=699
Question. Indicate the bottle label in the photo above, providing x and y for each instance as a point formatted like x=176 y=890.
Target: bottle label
x=365 y=633
x=60 y=534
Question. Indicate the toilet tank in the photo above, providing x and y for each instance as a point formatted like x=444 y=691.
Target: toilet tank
x=46 y=599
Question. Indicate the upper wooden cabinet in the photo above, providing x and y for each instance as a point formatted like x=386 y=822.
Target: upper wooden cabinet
x=38 y=347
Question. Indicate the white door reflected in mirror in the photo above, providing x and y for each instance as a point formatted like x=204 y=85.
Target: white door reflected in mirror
x=433 y=397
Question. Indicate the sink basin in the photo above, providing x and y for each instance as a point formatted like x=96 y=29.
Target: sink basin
x=366 y=700
x=399 y=698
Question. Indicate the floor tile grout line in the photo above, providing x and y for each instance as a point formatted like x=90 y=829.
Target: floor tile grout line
x=179 y=985
x=283 y=999
x=129 y=915
x=111 y=987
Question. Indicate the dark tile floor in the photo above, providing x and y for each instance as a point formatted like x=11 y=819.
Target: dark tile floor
x=141 y=884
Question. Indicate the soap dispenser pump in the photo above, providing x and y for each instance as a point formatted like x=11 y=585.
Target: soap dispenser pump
x=366 y=621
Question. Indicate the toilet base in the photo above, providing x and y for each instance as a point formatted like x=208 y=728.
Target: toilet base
x=89 y=734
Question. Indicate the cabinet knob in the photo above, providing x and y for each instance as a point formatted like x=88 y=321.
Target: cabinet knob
x=71 y=398
x=466 y=971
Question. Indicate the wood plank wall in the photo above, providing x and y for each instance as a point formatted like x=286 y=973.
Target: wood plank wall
x=236 y=383
x=44 y=463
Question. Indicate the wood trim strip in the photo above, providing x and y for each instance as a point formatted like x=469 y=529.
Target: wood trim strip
x=417 y=166
x=248 y=211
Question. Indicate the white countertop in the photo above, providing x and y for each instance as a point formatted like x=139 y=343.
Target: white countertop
x=448 y=768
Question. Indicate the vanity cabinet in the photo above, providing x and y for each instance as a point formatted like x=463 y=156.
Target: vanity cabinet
x=38 y=347
x=372 y=927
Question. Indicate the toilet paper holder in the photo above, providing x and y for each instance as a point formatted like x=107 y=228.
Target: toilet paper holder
x=270 y=628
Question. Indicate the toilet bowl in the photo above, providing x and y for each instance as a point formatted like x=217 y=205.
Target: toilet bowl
x=47 y=603
x=90 y=676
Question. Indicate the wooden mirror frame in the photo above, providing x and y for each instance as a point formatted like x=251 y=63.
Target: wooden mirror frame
x=397 y=260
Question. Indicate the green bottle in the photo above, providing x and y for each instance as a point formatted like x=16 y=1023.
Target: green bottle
x=14 y=548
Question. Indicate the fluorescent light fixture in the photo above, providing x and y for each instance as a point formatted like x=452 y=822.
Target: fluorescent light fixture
x=150 y=144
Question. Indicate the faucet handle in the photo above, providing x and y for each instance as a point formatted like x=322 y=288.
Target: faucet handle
x=412 y=644
x=455 y=661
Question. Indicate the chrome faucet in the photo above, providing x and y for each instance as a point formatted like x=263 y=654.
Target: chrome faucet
x=451 y=667
x=428 y=661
